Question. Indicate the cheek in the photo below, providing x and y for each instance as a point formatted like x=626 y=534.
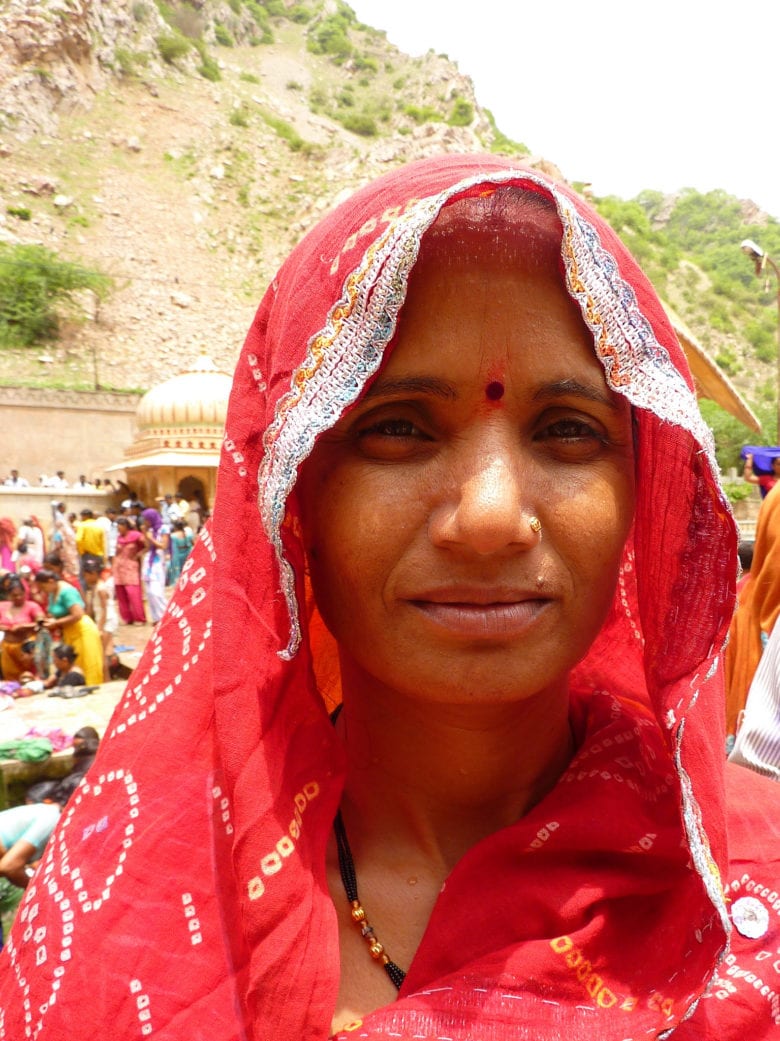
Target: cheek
x=593 y=529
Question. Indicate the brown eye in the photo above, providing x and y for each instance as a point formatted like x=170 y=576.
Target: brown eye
x=390 y=428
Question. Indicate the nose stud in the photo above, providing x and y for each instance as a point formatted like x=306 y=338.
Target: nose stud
x=536 y=526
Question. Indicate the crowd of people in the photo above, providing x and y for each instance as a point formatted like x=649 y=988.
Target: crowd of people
x=58 y=481
x=73 y=582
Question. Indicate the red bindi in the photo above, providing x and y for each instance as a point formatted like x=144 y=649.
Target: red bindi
x=494 y=390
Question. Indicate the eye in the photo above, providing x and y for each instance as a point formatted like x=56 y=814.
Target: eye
x=390 y=428
x=572 y=437
x=391 y=438
x=570 y=430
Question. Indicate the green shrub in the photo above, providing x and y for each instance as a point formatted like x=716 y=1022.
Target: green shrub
x=235 y=6
x=364 y=64
x=300 y=13
x=259 y=14
x=248 y=77
x=428 y=114
x=501 y=143
x=21 y=212
x=737 y=491
x=208 y=68
x=223 y=36
x=293 y=85
x=35 y=286
x=330 y=37
x=359 y=123
x=126 y=61
x=239 y=117
x=140 y=11
x=172 y=46
x=318 y=99
x=284 y=130
x=462 y=114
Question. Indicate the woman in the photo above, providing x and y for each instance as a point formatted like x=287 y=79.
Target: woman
x=155 y=562
x=181 y=544
x=527 y=768
x=66 y=672
x=19 y=618
x=66 y=612
x=765 y=481
x=755 y=618
x=101 y=608
x=126 y=569
x=8 y=537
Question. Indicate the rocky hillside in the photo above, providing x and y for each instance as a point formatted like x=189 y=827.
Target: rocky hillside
x=134 y=141
x=183 y=146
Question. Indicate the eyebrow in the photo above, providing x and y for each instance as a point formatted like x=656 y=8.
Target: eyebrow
x=559 y=388
x=429 y=385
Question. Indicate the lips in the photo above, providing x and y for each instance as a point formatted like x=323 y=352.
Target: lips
x=480 y=612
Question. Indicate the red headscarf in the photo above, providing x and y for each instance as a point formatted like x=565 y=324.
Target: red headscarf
x=184 y=894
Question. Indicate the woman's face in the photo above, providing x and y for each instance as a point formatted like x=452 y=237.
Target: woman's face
x=491 y=411
x=17 y=596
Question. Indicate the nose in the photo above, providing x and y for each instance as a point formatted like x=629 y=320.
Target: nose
x=487 y=509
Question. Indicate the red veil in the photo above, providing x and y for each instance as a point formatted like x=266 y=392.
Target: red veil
x=184 y=894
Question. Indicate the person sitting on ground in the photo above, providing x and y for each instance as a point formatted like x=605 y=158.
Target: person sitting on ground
x=19 y=618
x=66 y=672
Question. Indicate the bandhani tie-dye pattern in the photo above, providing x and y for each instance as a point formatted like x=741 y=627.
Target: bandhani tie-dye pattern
x=183 y=896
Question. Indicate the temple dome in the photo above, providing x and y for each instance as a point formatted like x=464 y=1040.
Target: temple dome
x=196 y=397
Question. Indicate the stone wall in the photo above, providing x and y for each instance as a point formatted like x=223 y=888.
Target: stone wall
x=79 y=432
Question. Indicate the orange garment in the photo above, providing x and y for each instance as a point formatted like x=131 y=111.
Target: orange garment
x=757 y=611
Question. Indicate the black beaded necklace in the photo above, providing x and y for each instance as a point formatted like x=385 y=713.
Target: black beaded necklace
x=349 y=880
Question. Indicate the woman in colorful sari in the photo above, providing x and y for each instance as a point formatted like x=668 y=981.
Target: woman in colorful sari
x=126 y=569
x=19 y=617
x=67 y=613
x=155 y=563
x=181 y=545
x=466 y=494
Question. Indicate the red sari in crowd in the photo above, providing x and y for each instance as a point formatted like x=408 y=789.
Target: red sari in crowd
x=184 y=893
x=126 y=569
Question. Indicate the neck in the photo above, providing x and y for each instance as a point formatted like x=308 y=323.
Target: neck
x=438 y=778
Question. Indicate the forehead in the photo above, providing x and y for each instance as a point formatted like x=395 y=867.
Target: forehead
x=488 y=289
